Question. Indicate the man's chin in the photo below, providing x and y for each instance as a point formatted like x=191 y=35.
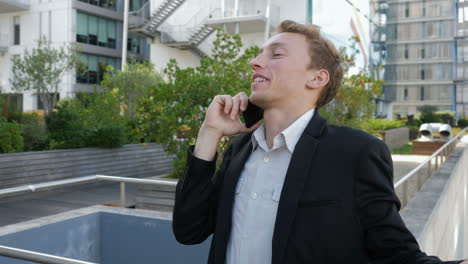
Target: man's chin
x=257 y=100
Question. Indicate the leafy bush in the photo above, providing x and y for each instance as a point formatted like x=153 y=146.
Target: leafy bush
x=100 y=114
x=462 y=123
x=447 y=117
x=373 y=126
x=34 y=131
x=65 y=126
x=10 y=137
x=110 y=136
x=428 y=114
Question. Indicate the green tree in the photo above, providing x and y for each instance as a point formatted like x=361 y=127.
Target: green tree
x=131 y=84
x=172 y=112
x=355 y=100
x=41 y=70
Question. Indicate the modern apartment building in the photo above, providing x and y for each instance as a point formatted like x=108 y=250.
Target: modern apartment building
x=461 y=44
x=94 y=25
x=423 y=54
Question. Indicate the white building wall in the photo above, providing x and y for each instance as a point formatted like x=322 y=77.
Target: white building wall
x=161 y=54
x=51 y=19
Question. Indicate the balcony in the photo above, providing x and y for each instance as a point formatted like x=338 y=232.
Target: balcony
x=251 y=17
x=7 y=6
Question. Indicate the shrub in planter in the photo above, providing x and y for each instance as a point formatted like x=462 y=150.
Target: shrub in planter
x=10 y=137
x=110 y=136
x=373 y=126
x=34 y=131
x=462 y=123
x=65 y=126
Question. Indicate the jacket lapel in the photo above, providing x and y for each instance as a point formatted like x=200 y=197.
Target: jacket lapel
x=294 y=182
x=223 y=225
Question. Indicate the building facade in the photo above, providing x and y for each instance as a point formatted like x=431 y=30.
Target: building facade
x=95 y=26
x=423 y=55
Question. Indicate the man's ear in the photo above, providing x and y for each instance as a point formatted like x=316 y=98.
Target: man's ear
x=320 y=79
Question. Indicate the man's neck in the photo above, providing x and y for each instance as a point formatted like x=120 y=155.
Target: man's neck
x=276 y=120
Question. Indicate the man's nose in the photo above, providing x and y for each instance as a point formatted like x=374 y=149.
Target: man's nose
x=256 y=62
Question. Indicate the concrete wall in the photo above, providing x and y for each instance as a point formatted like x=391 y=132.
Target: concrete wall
x=133 y=160
x=395 y=138
x=156 y=197
x=105 y=235
x=437 y=215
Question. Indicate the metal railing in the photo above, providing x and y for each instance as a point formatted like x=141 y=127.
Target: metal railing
x=438 y=157
x=122 y=180
x=140 y=17
x=38 y=257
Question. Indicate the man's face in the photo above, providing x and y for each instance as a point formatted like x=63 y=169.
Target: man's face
x=281 y=71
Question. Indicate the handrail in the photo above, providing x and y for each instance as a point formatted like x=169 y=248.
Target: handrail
x=38 y=257
x=442 y=152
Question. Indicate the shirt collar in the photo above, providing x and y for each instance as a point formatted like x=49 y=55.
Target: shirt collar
x=290 y=136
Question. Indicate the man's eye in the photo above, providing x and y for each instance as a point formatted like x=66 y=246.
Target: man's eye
x=277 y=55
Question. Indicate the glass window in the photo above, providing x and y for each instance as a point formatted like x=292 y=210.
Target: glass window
x=17 y=30
x=82 y=28
x=102 y=33
x=93 y=30
x=421 y=94
x=83 y=77
x=111 y=27
x=96 y=67
x=92 y=69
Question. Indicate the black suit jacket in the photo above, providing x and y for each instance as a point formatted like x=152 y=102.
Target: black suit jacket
x=338 y=204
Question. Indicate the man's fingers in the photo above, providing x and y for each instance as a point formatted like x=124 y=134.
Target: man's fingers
x=244 y=101
x=227 y=103
x=235 y=107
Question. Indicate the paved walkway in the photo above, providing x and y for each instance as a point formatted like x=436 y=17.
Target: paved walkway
x=15 y=210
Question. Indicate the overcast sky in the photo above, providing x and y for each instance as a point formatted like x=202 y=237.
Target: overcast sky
x=334 y=18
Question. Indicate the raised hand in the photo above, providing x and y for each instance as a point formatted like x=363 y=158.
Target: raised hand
x=222 y=119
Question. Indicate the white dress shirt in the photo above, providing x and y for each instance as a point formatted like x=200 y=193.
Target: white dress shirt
x=258 y=192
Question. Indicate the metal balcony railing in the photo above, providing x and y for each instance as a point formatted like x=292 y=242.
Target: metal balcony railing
x=38 y=257
x=140 y=17
x=426 y=168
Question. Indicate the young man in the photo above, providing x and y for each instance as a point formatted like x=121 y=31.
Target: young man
x=293 y=190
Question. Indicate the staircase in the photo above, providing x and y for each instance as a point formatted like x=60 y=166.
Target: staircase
x=201 y=34
x=140 y=21
x=162 y=13
x=188 y=36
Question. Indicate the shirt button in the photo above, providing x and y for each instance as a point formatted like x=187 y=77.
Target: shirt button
x=254 y=196
x=266 y=159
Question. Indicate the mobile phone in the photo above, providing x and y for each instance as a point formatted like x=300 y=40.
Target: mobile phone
x=252 y=114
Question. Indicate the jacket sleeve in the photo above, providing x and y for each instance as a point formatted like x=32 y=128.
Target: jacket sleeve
x=196 y=199
x=387 y=240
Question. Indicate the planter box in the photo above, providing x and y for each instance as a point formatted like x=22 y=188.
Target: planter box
x=426 y=148
x=395 y=138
